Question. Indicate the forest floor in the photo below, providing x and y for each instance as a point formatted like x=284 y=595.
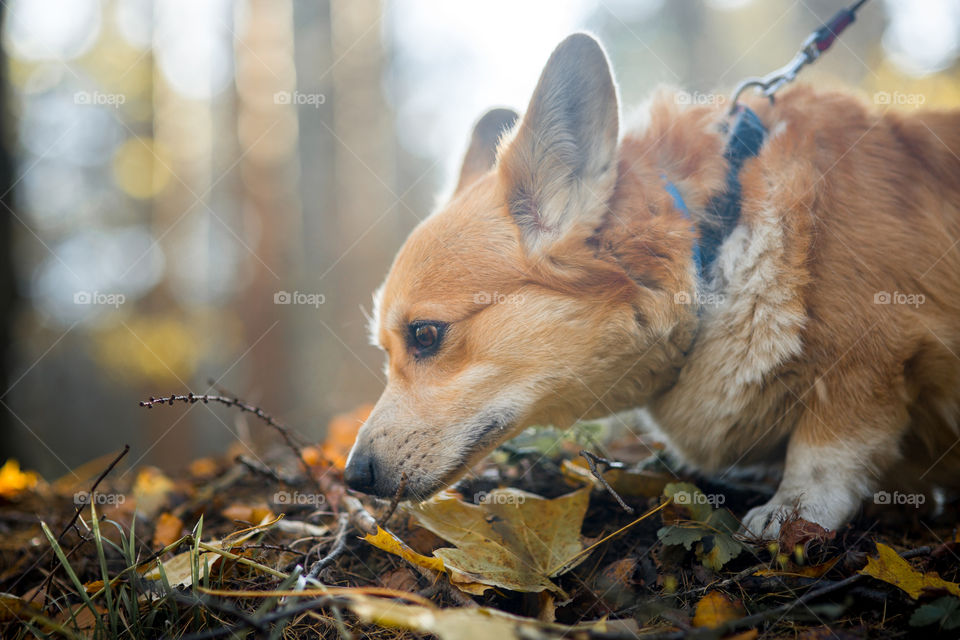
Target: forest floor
x=532 y=545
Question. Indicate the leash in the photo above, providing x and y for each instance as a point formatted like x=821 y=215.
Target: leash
x=746 y=139
x=815 y=44
x=723 y=210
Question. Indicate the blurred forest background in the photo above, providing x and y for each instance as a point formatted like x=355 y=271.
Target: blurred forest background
x=173 y=168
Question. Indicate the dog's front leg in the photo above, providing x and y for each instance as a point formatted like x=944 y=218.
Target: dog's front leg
x=828 y=471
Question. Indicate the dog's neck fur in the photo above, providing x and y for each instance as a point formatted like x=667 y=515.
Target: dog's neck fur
x=650 y=240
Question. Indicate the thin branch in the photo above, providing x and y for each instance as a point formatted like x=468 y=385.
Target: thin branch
x=396 y=499
x=237 y=403
x=339 y=546
x=592 y=460
x=79 y=508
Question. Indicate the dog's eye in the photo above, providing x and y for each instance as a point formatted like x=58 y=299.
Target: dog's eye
x=425 y=337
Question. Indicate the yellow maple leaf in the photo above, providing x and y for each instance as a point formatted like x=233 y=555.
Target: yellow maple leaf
x=385 y=540
x=889 y=567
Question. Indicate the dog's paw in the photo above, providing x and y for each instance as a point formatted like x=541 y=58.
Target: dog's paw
x=765 y=521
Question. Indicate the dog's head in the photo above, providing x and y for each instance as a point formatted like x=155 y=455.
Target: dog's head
x=497 y=312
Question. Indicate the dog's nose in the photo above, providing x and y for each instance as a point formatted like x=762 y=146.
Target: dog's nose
x=360 y=473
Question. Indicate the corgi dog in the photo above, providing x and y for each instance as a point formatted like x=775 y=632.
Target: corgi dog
x=796 y=305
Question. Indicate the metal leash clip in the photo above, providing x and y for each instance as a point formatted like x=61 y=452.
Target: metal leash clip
x=815 y=44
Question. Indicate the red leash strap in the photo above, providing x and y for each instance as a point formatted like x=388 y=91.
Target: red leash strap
x=825 y=35
x=818 y=42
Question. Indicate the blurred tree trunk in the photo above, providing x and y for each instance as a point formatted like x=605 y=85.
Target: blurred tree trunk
x=7 y=293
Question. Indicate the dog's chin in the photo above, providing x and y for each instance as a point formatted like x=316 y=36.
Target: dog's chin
x=492 y=435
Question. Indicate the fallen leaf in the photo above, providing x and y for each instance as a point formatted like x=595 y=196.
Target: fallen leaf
x=944 y=612
x=627 y=483
x=167 y=530
x=718 y=549
x=615 y=583
x=312 y=456
x=179 y=569
x=797 y=531
x=151 y=490
x=646 y=484
x=93 y=587
x=14 y=608
x=515 y=540
x=385 y=540
x=813 y=571
x=714 y=609
x=473 y=623
x=711 y=530
x=13 y=481
x=401 y=579
x=341 y=434
x=203 y=468
x=688 y=498
x=889 y=567
x=681 y=535
x=247 y=513
x=82 y=477
x=81 y=616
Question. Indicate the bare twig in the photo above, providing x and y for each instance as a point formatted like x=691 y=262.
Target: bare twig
x=339 y=546
x=79 y=507
x=78 y=510
x=592 y=460
x=262 y=469
x=237 y=403
x=359 y=515
x=396 y=499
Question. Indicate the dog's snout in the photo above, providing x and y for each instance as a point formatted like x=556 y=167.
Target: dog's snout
x=360 y=473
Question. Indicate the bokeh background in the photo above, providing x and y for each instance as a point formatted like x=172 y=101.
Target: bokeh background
x=174 y=171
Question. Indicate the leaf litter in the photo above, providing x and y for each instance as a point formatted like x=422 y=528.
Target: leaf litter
x=531 y=545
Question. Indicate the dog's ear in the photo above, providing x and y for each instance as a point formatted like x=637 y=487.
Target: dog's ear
x=482 y=153
x=560 y=168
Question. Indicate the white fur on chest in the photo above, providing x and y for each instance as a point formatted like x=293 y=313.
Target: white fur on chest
x=720 y=409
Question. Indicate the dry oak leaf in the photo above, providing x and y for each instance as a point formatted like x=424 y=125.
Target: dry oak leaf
x=513 y=539
x=889 y=567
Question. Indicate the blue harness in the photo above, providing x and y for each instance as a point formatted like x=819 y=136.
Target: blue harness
x=723 y=210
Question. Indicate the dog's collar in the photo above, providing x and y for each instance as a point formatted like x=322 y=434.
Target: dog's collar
x=723 y=210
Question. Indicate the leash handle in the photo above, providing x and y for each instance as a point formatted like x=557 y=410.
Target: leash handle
x=815 y=44
x=829 y=32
